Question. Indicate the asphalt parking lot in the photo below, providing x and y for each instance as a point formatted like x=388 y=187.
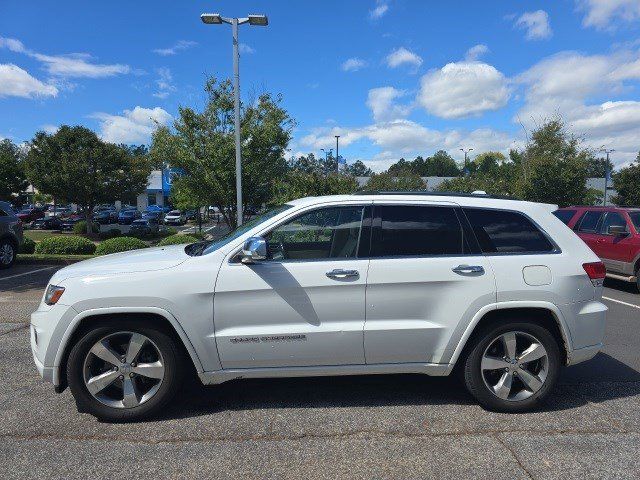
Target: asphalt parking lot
x=403 y=426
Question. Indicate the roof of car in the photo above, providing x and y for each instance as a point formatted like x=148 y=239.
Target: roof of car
x=465 y=199
x=601 y=207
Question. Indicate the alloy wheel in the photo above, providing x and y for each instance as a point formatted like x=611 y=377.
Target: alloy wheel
x=123 y=370
x=514 y=366
x=6 y=253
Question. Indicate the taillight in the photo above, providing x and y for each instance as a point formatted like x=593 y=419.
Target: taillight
x=596 y=271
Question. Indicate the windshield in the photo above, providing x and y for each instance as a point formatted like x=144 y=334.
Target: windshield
x=204 y=248
x=635 y=218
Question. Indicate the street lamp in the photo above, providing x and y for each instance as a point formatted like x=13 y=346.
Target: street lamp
x=606 y=173
x=256 y=20
x=338 y=152
x=327 y=153
x=466 y=151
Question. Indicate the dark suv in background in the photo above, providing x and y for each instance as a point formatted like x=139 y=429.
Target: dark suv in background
x=613 y=233
x=10 y=235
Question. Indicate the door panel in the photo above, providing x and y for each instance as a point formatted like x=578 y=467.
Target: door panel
x=305 y=305
x=414 y=305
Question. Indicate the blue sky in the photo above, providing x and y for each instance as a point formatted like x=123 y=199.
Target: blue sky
x=393 y=77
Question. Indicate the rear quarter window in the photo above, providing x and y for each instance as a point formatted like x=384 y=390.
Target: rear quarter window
x=590 y=221
x=505 y=231
x=565 y=216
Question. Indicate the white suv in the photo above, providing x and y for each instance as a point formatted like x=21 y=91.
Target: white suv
x=499 y=290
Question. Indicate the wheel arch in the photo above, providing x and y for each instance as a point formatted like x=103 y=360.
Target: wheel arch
x=547 y=315
x=83 y=322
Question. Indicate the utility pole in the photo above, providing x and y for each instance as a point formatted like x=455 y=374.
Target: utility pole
x=466 y=151
x=337 y=153
x=256 y=20
x=606 y=173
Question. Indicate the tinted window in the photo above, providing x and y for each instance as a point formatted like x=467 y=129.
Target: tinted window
x=613 y=219
x=635 y=218
x=323 y=233
x=589 y=222
x=565 y=215
x=506 y=231
x=415 y=230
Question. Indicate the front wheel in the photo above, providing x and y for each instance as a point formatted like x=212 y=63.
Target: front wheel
x=512 y=367
x=126 y=371
x=7 y=253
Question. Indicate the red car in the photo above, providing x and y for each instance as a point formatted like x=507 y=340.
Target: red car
x=612 y=233
x=28 y=215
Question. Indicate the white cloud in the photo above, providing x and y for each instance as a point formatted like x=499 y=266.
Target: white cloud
x=16 y=82
x=536 y=24
x=164 y=83
x=353 y=64
x=475 y=52
x=51 y=129
x=174 y=49
x=381 y=101
x=602 y=13
x=69 y=65
x=133 y=126
x=244 y=48
x=405 y=138
x=382 y=7
x=565 y=85
x=402 y=56
x=463 y=89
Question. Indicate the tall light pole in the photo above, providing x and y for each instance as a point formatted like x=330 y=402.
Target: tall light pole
x=466 y=151
x=606 y=173
x=256 y=20
x=338 y=153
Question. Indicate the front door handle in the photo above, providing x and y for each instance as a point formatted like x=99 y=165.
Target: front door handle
x=466 y=269
x=340 y=273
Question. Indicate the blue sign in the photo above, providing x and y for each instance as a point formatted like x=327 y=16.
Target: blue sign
x=168 y=174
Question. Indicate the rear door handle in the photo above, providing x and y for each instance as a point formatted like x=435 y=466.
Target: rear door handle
x=340 y=273
x=462 y=269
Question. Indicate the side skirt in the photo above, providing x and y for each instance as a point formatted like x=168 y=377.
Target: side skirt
x=224 y=375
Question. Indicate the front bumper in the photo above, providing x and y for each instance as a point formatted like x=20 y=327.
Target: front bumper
x=47 y=329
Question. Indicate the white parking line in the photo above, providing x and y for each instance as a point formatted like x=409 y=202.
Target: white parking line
x=28 y=273
x=621 y=302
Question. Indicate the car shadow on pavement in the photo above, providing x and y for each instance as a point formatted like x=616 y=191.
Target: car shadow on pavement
x=600 y=379
x=620 y=285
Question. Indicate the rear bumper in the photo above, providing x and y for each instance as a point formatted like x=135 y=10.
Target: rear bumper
x=586 y=322
x=583 y=354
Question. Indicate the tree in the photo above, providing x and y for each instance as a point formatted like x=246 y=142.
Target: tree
x=627 y=184
x=385 y=181
x=555 y=167
x=358 y=169
x=75 y=166
x=298 y=184
x=440 y=164
x=597 y=167
x=12 y=175
x=488 y=162
x=202 y=145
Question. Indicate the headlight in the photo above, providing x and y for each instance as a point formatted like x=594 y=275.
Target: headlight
x=54 y=292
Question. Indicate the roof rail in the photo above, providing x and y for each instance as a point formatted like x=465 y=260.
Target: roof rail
x=435 y=194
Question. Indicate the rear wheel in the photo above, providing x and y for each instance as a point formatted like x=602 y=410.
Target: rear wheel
x=124 y=372
x=7 y=253
x=512 y=367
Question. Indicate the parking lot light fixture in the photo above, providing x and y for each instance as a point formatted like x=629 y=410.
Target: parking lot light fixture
x=256 y=20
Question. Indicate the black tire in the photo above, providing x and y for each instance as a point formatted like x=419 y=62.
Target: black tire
x=10 y=249
x=638 y=279
x=473 y=375
x=174 y=364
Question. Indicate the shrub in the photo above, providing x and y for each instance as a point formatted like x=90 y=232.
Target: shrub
x=28 y=246
x=111 y=233
x=81 y=227
x=120 y=244
x=177 y=240
x=67 y=245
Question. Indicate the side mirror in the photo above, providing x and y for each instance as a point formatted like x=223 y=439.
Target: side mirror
x=617 y=231
x=254 y=250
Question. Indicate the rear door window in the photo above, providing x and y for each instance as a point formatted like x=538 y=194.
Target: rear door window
x=504 y=231
x=410 y=230
x=565 y=216
x=613 y=219
x=590 y=221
